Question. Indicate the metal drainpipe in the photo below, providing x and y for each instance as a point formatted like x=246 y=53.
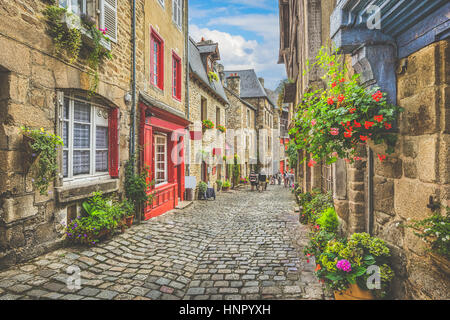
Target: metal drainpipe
x=133 y=99
x=370 y=191
x=186 y=50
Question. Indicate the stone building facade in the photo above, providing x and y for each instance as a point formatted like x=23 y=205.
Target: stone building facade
x=162 y=80
x=42 y=89
x=207 y=101
x=253 y=92
x=241 y=118
x=378 y=197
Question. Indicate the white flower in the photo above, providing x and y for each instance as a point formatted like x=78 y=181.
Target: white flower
x=426 y=230
x=443 y=223
x=437 y=234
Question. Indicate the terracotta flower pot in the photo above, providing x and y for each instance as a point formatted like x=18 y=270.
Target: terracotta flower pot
x=354 y=292
x=225 y=188
x=129 y=221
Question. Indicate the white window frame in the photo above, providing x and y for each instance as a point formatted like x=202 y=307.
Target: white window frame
x=166 y=179
x=179 y=22
x=93 y=174
x=69 y=6
x=162 y=3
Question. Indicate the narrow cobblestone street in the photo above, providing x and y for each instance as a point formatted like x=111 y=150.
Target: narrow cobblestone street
x=244 y=245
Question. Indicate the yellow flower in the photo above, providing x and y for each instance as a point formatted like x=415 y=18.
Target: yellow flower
x=42 y=129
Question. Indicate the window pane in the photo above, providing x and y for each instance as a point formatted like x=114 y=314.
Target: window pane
x=66 y=134
x=81 y=135
x=101 y=161
x=66 y=108
x=82 y=112
x=81 y=162
x=65 y=163
x=77 y=6
x=101 y=139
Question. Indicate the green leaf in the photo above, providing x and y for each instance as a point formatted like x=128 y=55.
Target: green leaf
x=334 y=277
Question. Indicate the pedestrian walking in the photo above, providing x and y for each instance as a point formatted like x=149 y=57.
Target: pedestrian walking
x=253 y=178
x=279 y=178
x=262 y=180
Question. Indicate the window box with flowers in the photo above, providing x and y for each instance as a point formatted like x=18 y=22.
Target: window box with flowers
x=207 y=124
x=77 y=34
x=221 y=128
x=212 y=76
x=331 y=123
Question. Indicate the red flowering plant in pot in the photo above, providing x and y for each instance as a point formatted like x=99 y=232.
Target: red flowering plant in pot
x=331 y=123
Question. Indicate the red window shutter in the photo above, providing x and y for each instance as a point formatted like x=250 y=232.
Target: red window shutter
x=113 y=129
x=161 y=65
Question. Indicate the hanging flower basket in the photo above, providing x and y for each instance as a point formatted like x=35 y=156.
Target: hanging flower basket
x=30 y=156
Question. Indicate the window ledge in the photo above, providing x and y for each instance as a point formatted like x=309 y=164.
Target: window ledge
x=85 y=190
x=73 y=21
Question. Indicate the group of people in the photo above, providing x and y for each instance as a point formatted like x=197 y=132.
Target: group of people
x=260 y=180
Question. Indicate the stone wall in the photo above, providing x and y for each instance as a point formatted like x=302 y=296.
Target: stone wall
x=30 y=74
x=211 y=138
x=403 y=184
x=244 y=128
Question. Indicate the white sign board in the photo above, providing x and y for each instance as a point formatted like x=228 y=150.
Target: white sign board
x=190 y=182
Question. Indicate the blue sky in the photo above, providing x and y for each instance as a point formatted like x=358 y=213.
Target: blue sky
x=247 y=32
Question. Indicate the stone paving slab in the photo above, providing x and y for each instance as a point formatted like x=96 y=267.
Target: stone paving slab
x=243 y=246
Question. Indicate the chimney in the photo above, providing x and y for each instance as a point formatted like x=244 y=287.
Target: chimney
x=220 y=70
x=234 y=83
x=261 y=80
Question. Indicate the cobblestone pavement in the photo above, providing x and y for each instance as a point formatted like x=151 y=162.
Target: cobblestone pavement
x=244 y=245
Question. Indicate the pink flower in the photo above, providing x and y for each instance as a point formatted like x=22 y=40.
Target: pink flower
x=334 y=131
x=344 y=265
x=334 y=154
x=313 y=122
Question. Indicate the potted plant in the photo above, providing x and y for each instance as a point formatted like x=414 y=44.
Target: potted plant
x=202 y=187
x=346 y=267
x=226 y=185
x=435 y=231
x=219 y=184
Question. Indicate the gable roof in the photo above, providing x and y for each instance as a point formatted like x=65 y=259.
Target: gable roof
x=198 y=68
x=272 y=96
x=250 y=85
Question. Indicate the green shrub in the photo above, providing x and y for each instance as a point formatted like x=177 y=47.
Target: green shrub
x=328 y=220
x=202 y=187
x=226 y=184
x=311 y=209
x=100 y=215
x=317 y=242
x=219 y=184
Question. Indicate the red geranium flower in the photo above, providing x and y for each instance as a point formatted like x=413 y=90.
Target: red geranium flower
x=311 y=163
x=352 y=110
x=388 y=126
x=318 y=267
x=364 y=138
x=342 y=80
x=377 y=96
x=357 y=124
x=382 y=157
x=341 y=97
x=330 y=100
x=348 y=134
x=368 y=124
x=378 y=118
x=334 y=84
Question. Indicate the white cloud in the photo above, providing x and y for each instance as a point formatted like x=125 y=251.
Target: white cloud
x=238 y=53
x=265 y=25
